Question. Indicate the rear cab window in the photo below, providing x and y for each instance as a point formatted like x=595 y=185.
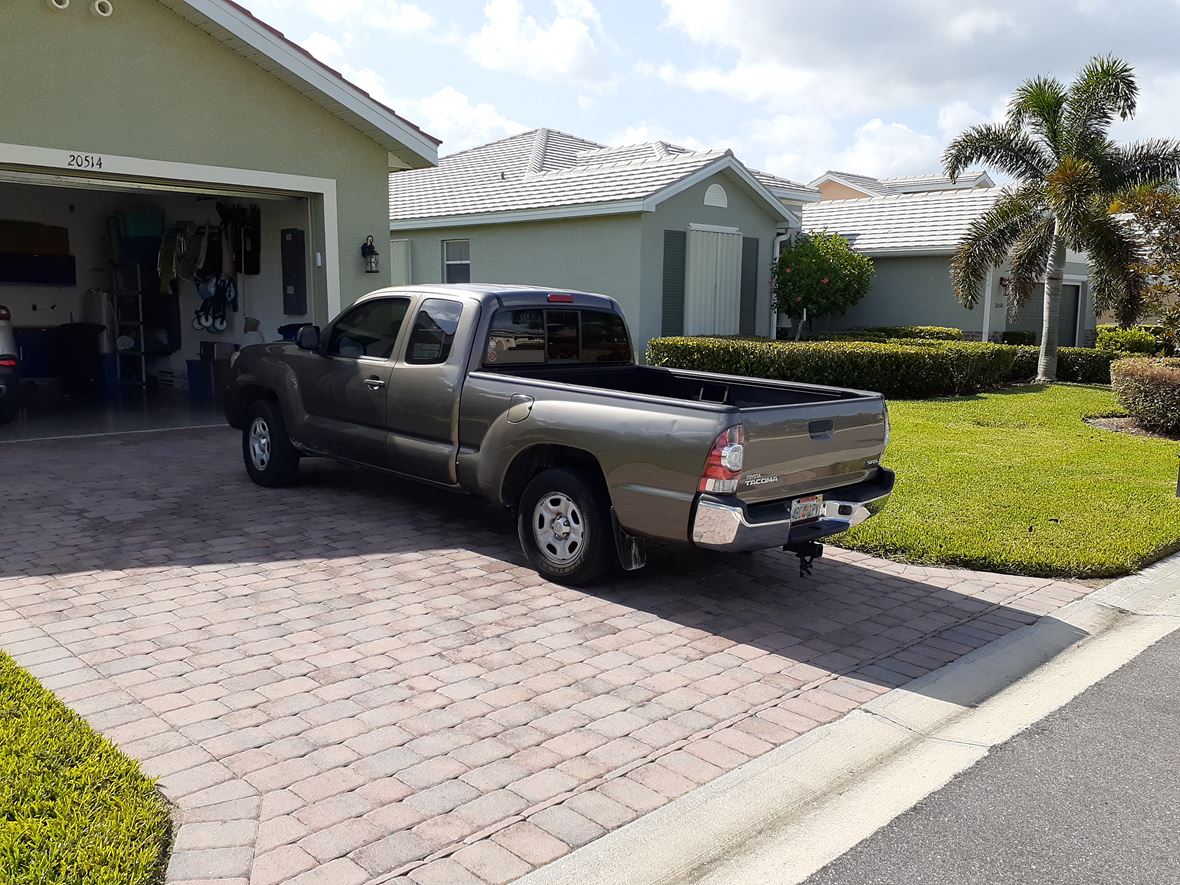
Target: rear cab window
x=556 y=336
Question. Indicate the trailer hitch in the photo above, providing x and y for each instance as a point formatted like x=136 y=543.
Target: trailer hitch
x=808 y=552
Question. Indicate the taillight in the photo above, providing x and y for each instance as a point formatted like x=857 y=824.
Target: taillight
x=559 y=298
x=724 y=465
x=8 y=364
x=4 y=314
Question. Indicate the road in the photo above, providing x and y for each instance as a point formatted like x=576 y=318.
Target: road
x=1090 y=794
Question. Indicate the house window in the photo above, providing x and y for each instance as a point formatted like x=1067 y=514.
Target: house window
x=456 y=261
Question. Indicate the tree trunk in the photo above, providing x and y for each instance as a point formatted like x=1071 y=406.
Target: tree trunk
x=1054 y=271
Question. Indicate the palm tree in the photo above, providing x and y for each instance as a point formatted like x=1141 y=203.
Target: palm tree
x=1055 y=144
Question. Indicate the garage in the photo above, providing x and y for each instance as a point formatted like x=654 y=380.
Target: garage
x=177 y=180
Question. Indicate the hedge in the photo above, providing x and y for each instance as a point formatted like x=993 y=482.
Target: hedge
x=1130 y=340
x=1018 y=337
x=907 y=370
x=1150 y=390
x=932 y=333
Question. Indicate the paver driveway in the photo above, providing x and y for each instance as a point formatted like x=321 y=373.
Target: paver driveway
x=357 y=680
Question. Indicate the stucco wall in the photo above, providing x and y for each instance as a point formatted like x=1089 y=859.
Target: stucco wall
x=745 y=212
x=146 y=83
x=833 y=190
x=593 y=254
x=911 y=291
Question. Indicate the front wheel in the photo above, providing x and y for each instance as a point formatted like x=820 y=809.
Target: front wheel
x=270 y=458
x=564 y=527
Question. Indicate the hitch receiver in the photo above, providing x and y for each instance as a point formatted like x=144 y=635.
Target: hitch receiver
x=808 y=552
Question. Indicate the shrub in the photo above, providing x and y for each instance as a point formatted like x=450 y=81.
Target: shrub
x=1024 y=364
x=1136 y=340
x=933 y=333
x=821 y=274
x=909 y=370
x=1018 y=337
x=1084 y=365
x=1150 y=390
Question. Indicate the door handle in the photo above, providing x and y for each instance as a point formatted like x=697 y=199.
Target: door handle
x=374 y=383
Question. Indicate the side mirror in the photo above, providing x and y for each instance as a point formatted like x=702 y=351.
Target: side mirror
x=308 y=338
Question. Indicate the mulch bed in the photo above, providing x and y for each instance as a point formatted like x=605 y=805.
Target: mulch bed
x=1126 y=424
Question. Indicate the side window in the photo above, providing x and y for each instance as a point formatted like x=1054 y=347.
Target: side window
x=433 y=332
x=369 y=329
x=456 y=261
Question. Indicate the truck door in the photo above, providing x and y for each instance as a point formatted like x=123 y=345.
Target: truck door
x=423 y=405
x=345 y=389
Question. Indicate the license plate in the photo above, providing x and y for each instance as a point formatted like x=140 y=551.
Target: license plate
x=806 y=508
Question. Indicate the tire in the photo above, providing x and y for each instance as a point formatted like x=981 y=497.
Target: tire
x=270 y=458
x=564 y=526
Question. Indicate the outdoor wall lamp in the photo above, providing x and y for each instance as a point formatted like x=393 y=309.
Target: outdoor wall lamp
x=1004 y=283
x=370 y=254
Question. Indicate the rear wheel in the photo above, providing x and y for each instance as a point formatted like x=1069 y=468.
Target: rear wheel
x=270 y=458
x=564 y=527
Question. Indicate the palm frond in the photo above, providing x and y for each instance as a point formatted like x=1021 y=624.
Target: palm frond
x=1039 y=103
x=1029 y=258
x=1115 y=253
x=1105 y=88
x=1073 y=189
x=1154 y=163
x=1007 y=148
x=991 y=236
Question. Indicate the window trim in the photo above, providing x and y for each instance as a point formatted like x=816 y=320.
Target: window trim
x=448 y=263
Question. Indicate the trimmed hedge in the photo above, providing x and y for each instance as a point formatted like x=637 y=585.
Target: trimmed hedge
x=931 y=333
x=1130 y=340
x=1150 y=390
x=1084 y=365
x=907 y=370
x=1024 y=363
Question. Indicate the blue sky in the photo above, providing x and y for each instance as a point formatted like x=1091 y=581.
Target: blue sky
x=793 y=88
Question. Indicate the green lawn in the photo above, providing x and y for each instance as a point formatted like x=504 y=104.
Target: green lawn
x=1015 y=482
x=73 y=809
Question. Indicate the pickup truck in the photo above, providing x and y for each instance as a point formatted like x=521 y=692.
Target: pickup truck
x=532 y=398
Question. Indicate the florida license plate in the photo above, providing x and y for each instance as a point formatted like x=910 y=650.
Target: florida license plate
x=806 y=508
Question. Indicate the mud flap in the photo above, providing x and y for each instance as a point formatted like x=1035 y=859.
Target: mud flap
x=632 y=552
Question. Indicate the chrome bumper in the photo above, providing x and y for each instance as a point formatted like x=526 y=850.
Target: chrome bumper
x=724 y=524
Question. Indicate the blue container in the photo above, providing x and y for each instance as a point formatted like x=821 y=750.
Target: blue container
x=200 y=381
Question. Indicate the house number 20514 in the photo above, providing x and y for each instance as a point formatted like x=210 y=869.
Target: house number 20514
x=84 y=161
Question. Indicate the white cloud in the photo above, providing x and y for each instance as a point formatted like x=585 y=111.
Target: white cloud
x=881 y=148
x=456 y=119
x=332 y=53
x=562 y=49
x=970 y=25
x=390 y=16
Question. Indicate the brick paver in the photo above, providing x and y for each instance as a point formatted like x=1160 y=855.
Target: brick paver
x=358 y=680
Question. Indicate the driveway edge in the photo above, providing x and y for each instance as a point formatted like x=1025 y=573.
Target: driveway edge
x=786 y=814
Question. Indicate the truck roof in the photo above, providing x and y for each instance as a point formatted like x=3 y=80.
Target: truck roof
x=502 y=294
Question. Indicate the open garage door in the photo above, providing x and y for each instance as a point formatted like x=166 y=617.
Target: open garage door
x=128 y=297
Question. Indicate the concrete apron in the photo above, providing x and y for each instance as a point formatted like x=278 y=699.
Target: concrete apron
x=786 y=814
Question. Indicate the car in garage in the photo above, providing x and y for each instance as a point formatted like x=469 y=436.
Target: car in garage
x=9 y=367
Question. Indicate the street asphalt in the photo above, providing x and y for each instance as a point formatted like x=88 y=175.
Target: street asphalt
x=1090 y=794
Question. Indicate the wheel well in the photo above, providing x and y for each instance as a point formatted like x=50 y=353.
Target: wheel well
x=534 y=459
x=245 y=398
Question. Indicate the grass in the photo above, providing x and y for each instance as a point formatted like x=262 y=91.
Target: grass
x=73 y=809
x=1016 y=482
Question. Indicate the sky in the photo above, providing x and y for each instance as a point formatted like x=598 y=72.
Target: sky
x=793 y=88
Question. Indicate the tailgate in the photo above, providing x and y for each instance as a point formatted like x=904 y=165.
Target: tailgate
x=798 y=449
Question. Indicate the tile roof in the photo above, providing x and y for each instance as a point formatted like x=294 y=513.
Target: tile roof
x=930 y=222
x=544 y=169
x=910 y=184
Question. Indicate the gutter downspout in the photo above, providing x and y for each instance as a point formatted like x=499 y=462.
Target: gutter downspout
x=987 y=306
x=776 y=249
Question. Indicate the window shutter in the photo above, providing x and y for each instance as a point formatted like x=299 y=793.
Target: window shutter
x=675 y=254
x=749 y=297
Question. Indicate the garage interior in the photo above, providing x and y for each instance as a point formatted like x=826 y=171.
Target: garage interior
x=128 y=298
x=129 y=301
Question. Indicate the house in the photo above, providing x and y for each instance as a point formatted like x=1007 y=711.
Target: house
x=911 y=238
x=683 y=239
x=834 y=185
x=129 y=122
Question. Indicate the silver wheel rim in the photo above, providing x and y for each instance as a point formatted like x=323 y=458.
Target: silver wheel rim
x=558 y=528
x=259 y=444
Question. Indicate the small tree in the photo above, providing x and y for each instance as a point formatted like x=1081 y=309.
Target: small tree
x=1157 y=219
x=819 y=274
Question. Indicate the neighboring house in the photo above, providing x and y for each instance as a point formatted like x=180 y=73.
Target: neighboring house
x=683 y=239
x=834 y=185
x=911 y=238
x=152 y=117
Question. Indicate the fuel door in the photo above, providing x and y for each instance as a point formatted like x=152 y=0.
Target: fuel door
x=520 y=407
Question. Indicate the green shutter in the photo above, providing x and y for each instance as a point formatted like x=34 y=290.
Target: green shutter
x=748 y=313
x=675 y=263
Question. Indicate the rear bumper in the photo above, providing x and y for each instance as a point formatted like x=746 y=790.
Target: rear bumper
x=726 y=524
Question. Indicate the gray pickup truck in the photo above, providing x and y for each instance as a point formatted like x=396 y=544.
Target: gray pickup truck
x=532 y=398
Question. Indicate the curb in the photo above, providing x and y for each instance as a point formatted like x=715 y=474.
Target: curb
x=783 y=816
